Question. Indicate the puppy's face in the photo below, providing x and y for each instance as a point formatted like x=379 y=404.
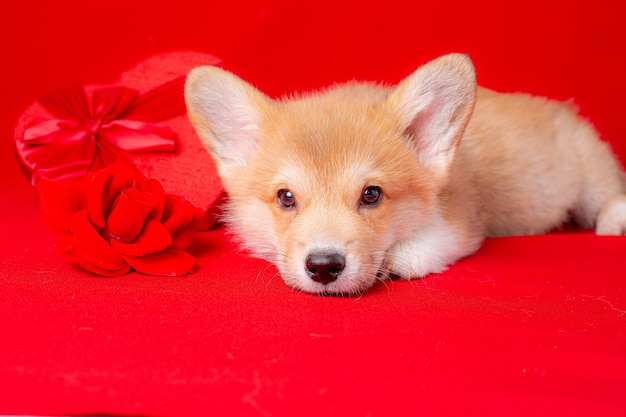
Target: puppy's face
x=325 y=184
x=322 y=198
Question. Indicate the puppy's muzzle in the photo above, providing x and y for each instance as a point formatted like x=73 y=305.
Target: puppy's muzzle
x=324 y=267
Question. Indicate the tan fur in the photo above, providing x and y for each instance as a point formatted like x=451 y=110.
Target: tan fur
x=455 y=164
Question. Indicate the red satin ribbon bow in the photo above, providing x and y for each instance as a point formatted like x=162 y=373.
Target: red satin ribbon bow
x=89 y=134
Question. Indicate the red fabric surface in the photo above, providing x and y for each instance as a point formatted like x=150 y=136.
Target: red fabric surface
x=527 y=326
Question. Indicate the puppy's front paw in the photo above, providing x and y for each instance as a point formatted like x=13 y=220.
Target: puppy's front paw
x=412 y=259
x=431 y=248
x=612 y=217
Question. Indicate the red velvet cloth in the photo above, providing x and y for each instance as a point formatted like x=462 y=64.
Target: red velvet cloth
x=527 y=326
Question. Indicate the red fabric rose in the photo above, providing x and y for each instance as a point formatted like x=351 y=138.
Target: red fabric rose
x=115 y=220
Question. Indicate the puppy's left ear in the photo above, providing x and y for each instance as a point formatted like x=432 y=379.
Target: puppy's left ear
x=435 y=104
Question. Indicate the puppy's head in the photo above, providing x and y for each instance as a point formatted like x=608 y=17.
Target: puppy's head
x=324 y=184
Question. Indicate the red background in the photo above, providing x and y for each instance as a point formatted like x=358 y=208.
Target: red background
x=531 y=325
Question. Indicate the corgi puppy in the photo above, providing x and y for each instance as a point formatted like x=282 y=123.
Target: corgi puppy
x=360 y=181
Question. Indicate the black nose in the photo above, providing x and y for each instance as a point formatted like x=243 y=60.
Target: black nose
x=325 y=268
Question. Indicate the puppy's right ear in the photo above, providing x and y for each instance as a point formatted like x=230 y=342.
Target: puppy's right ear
x=225 y=111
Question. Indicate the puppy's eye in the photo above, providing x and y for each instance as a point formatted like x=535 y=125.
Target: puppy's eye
x=286 y=199
x=371 y=196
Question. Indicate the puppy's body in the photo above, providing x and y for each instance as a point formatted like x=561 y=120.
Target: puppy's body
x=336 y=187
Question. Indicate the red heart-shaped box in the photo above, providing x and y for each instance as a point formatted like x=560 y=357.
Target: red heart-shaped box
x=188 y=171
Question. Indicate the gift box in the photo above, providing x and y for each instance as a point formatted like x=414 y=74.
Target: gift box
x=140 y=118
